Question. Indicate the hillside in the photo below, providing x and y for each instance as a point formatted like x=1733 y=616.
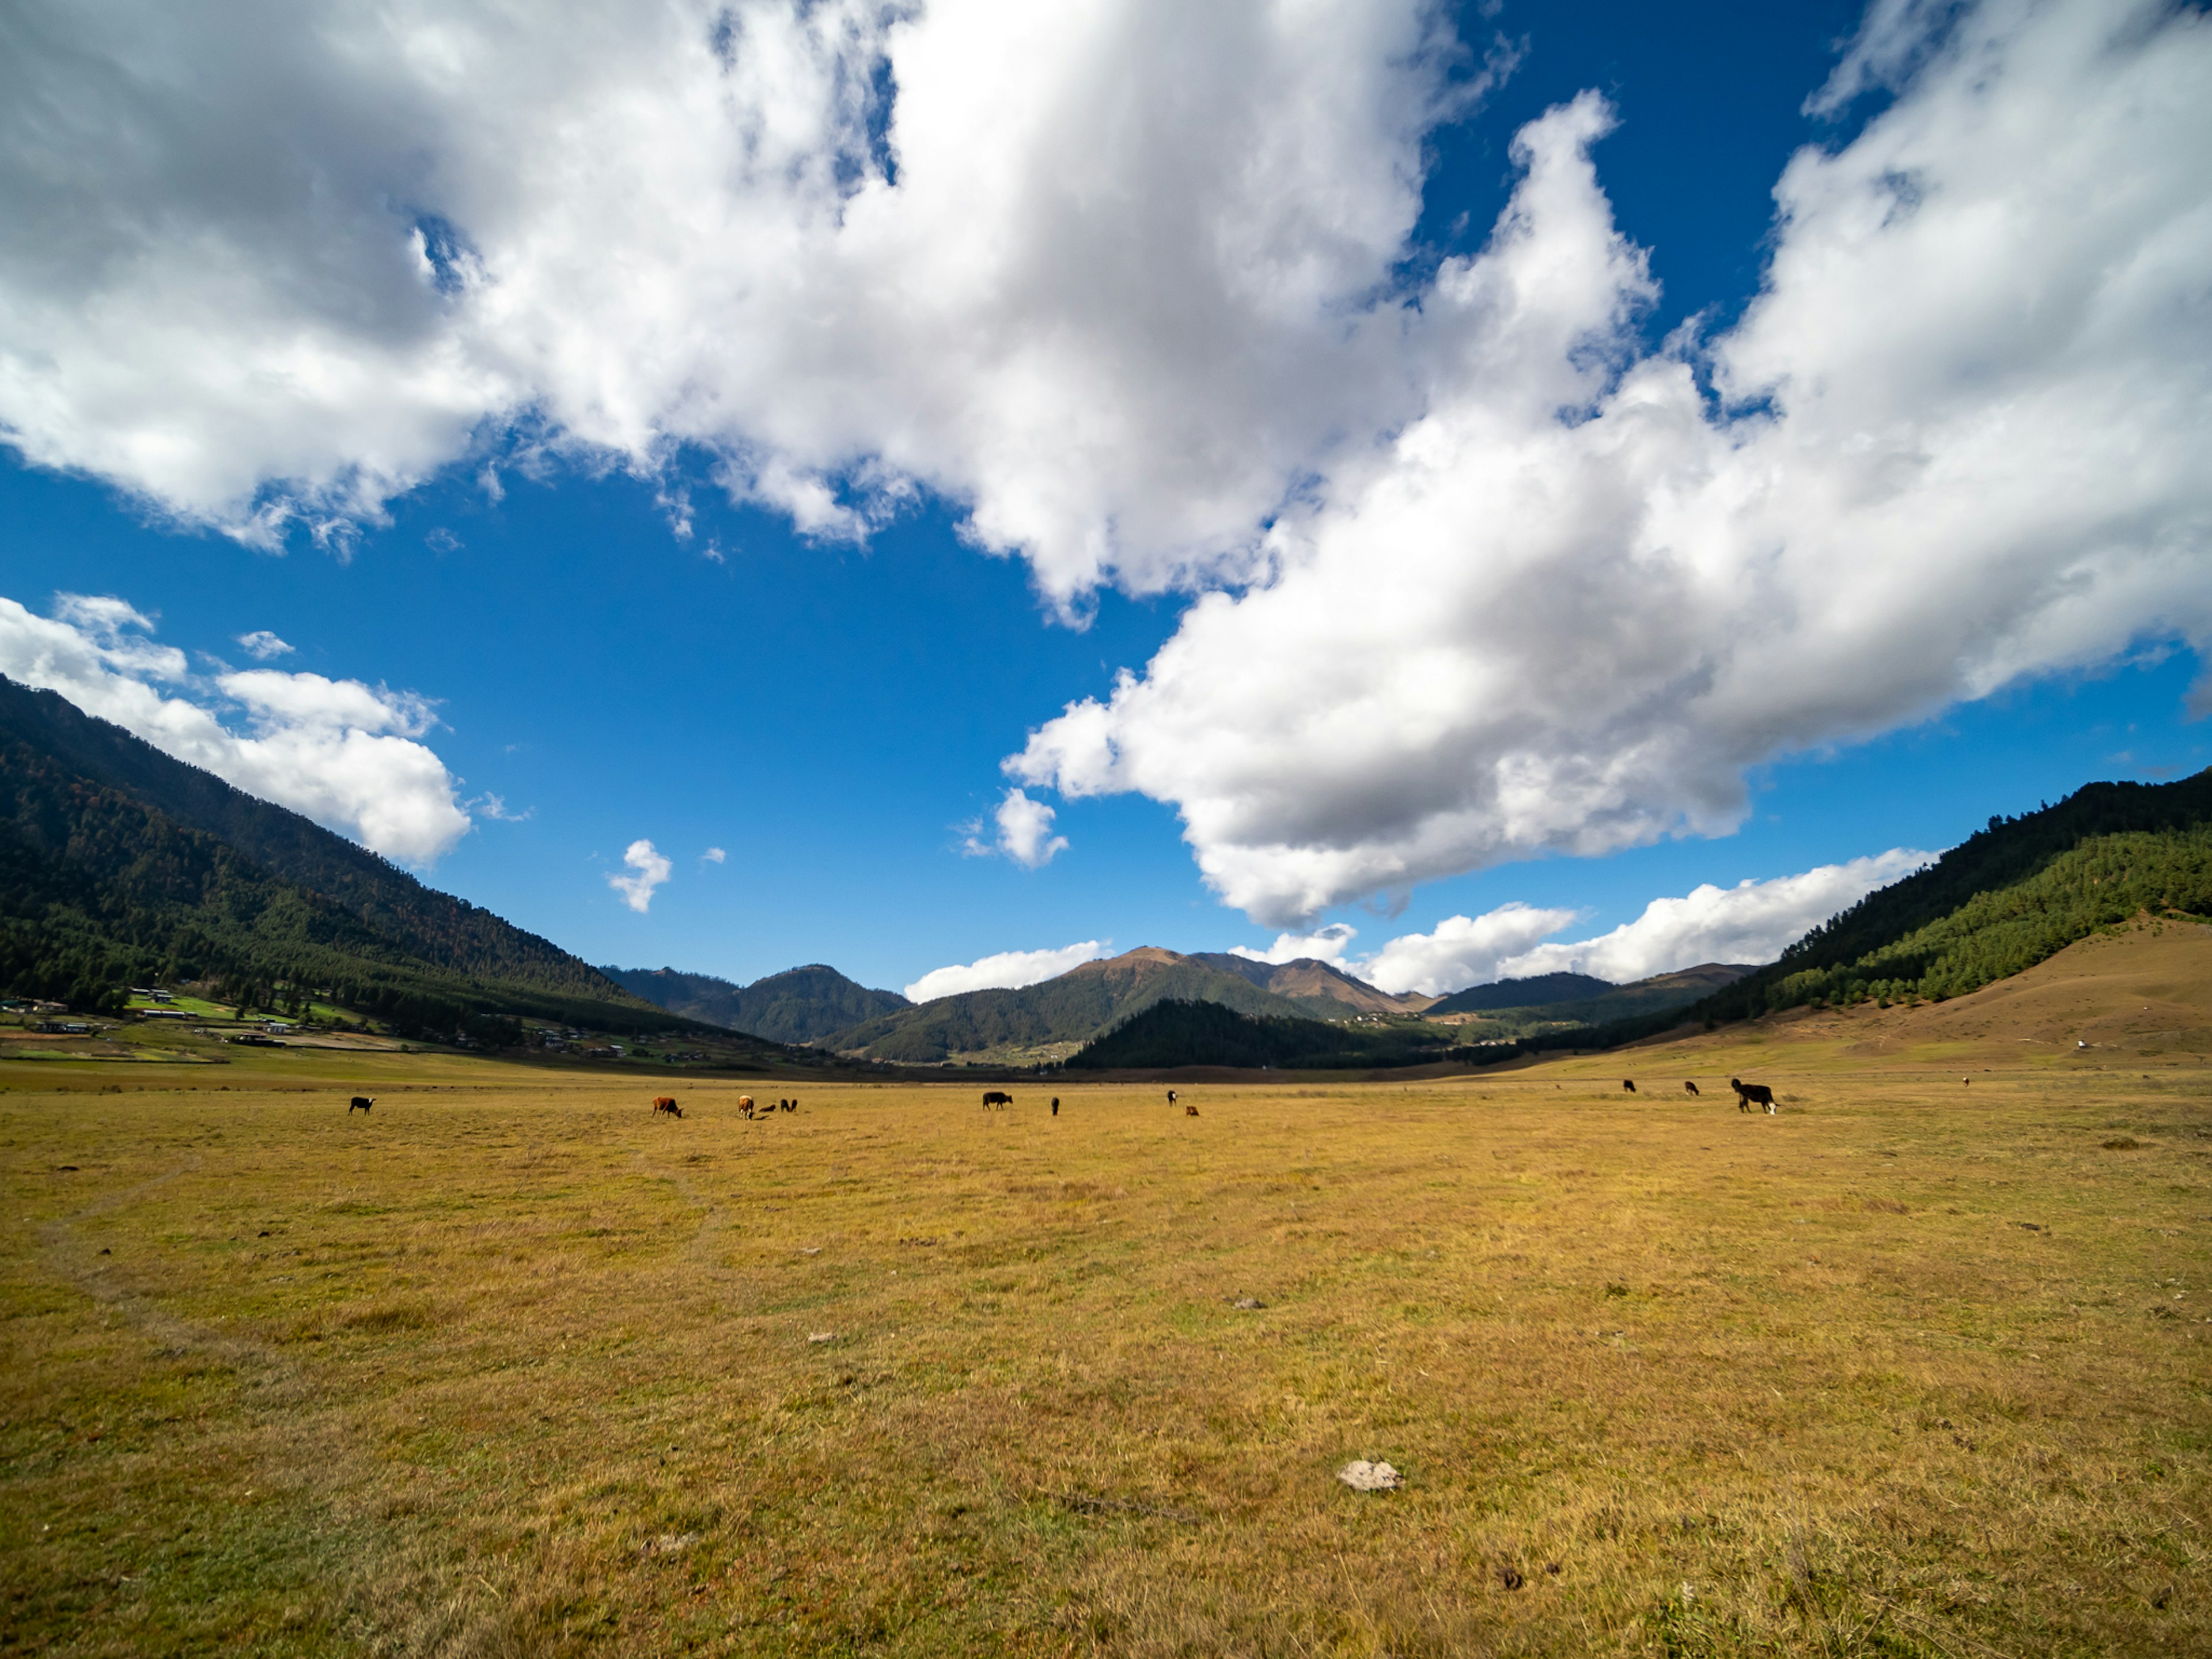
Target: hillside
x=2011 y=896
x=1325 y=991
x=1173 y=1034
x=1537 y=991
x=1072 y=1009
x=119 y=865
x=800 y=1005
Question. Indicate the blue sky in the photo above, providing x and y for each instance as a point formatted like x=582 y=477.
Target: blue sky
x=832 y=710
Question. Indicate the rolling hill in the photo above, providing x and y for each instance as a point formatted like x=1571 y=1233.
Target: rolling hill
x=120 y=865
x=1072 y=1009
x=800 y=1005
x=1540 y=991
x=1172 y=1034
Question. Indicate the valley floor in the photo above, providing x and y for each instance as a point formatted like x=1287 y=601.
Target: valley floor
x=512 y=1364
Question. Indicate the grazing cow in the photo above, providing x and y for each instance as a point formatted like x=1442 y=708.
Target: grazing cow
x=993 y=1097
x=1629 y=1083
x=1749 y=1095
x=1055 y=1105
x=1171 y=1097
x=791 y=1105
x=1691 y=1086
x=360 y=1103
x=745 y=1104
x=1190 y=1111
x=667 y=1104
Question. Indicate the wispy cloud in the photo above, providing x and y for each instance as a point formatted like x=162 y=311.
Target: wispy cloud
x=648 y=871
x=493 y=806
x=1007 y=971
x=262 y=645
x=713 y=855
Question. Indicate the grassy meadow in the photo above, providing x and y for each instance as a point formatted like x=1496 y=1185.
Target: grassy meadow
x=510 y=1365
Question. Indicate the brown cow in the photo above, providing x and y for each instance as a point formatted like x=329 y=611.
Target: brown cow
x=1749 y=1095
x=1691 y=1086
x=360 y=1103
x=667 y=1104
x=1190 y=1111
x=791 y=1105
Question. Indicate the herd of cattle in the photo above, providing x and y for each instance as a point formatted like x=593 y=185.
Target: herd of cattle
x=1747 y=1095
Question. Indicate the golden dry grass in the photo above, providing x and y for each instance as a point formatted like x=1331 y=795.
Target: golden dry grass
x=513 y=1366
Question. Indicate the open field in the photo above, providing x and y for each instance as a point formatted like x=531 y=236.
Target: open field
x=509 y=1365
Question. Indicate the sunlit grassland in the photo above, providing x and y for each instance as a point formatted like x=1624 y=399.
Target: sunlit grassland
x=511 y=1365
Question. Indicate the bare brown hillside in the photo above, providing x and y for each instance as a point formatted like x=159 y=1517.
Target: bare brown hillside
x=2143 y=992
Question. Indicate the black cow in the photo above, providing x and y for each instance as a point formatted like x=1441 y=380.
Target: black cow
x=1691 y=1086
x=1749 y=1095
x=1629 y=1083
x=1171 y=1097
x=993 y=1097
x=360 y=1103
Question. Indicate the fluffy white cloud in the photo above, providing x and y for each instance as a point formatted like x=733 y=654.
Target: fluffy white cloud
x=1323 y=945
x=1104 y=272
x=261 y=645
x=1008 y=970
x=714 y=855
x=1461 y=950
x=1026 y=831
x=1121 y=279
x=1958 y=439
x=649 y=869
x=345 y=754
x=1750 y=922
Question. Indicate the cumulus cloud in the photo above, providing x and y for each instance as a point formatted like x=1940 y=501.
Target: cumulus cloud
x=1108 y=274
x=1024 y=835
x=714 y=855
x=262 y=645
x=1479 y=575
x=346 y=754
x=1008 y=970
x=648 y=870
x=1957 y=439
x=1750 y=922
x=1323 y=945
x=1461 y=950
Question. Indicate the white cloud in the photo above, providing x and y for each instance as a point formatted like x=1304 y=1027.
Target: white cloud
x=344 y=754
x=262 y=645
x=1461 y=950
x=1122 y=279
x=1105 y=273
x=1024 y=832
x=1008 y=970
x=1959 y=440
x=714 y=855
x=1323 y=945
x=1750 y=922
x=650 y=869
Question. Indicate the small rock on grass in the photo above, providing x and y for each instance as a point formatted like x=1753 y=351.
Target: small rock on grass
x=821 y=1336
x=1361 y=1476
x=1248 y=1303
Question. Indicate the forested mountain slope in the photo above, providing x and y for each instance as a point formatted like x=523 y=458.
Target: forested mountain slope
x=119 y=865
x=2011 y=894
x=800 y=1005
